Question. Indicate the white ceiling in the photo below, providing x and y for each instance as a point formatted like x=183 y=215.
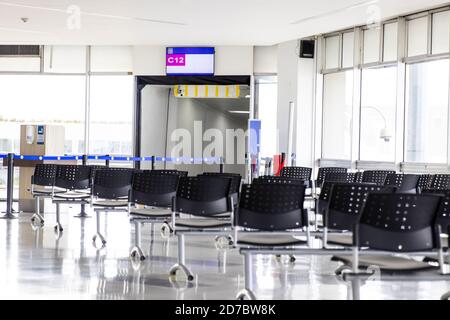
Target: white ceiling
x=189 y=22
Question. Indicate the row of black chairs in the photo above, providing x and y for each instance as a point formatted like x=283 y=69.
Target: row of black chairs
x=422 y=181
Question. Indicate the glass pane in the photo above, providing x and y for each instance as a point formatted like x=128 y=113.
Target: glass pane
x=20 y=64
x=337 y=115
x=372 y=45
x=65 y=59
x=347 y=50
x=111 y=115
x=266 y=101
x=111 y=59
x=417 y=36
x=390 y=42
x=44 y=100
x=441 y=32
x=378 y=114
x=332 y=52
x=427 y=109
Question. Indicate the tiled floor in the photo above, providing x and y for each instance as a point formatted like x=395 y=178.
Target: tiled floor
x=35 y=264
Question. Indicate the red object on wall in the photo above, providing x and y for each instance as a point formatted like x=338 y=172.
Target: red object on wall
x=279 y=162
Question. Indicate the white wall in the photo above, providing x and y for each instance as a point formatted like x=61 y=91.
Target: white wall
x=265 y=59
x=229 y=60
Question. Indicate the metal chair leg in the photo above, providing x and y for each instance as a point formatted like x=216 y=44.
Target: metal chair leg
x=37 y=217
x=58 y=226
x=98 y=234
x=181 y=265
x=137 y=252
x=247 y=292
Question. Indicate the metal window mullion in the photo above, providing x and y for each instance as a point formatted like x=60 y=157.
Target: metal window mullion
x=356 y=99
x=87 y=106
x=400 y=114
x=430 y=34
x=448 y=121
x=381 y=44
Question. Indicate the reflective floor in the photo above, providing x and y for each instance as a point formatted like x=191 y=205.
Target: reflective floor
x=35 y=264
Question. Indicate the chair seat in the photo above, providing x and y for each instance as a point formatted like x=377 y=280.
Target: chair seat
x=110 y=203
x=151 y=212
x=71 y=195
x=202 y=223
x=387 y=263
x=43 y=190
x=345 y=239
x=270 y=240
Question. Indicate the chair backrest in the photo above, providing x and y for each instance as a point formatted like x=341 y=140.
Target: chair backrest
x=277 y=180
x=424 y=181
x=346 y=201
x=340 y=177
x=112 y=183
x=44 y=175
x=375 y=176
x=301 y=173
x=170 y=172
x=235 y=179
x=359 y=177
x=269 y=206
x=73 y=177
x=398 y=222
x=404 y=182
x=323 y=172
x=152 y=189
x=440 y=181
x=203 y=195
x=443 y=215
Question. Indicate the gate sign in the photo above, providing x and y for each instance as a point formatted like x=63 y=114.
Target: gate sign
x=197 y=61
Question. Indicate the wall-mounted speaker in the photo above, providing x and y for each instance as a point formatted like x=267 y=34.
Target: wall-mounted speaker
x=307 y=49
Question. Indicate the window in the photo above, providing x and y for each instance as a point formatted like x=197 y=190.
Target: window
x=348 y=39
x=266 y=89
x=417 y=36
x=390 y=42
x=42 y=99
x=337 y=114
x=332 y=52
x=378 y=105
x=111 y=115
x=111 y=59
x=65 y=59
x=427 y=112
x=371 y=45
x=441 y=32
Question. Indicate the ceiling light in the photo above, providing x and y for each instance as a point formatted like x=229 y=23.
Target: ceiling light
x=238 y=111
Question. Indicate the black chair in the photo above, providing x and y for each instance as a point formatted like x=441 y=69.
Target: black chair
x=76 y=181
x=405 y=183
x=375 y=176
x=424 y=182
x=321 y=203
x=323 y=172
x=443 y=216
x=110 y=190
x=170 y=172
x=150 y=200
x=277 y=180
x=302 y=173
x=203 y=198
x=271 y=211
x=398 y=223
x=235 y=183
x=344 y=207
x=440 y=181
x=42 y=186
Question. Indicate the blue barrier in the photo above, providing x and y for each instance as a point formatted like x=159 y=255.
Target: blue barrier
x=112 y=158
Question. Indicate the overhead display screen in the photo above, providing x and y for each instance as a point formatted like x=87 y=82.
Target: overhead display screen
x=190 y=61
